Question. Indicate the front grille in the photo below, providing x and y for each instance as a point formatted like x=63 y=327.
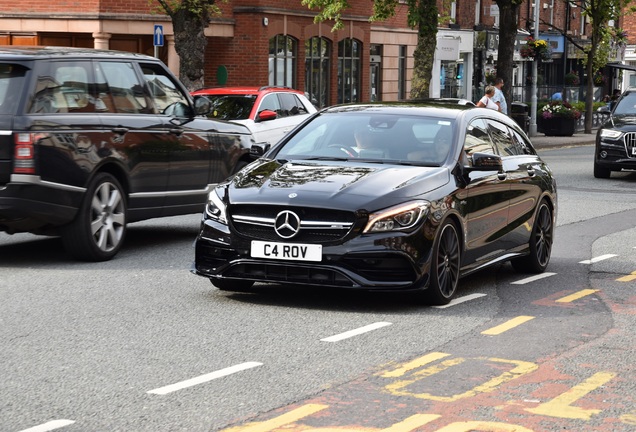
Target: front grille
x=630 y=144
x=319 y=226
x=289 y=274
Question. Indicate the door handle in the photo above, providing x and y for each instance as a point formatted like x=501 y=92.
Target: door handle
x=531 y=171
x=176 y=131
x=120 y=130
x=502 y=175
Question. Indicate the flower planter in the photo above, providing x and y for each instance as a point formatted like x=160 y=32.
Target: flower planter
x=558 y=126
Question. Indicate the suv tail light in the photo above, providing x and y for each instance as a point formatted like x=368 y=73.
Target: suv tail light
x=24 y=157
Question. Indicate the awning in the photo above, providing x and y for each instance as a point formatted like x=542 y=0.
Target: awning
x=621 y=66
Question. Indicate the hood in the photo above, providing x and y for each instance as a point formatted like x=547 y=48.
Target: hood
x=341 y=185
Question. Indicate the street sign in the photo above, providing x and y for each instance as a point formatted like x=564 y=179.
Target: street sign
x=158 y=35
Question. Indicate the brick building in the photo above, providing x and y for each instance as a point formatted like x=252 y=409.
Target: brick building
x=261 y=42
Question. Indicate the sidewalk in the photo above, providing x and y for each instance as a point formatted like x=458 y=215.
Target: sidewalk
x=540 y=141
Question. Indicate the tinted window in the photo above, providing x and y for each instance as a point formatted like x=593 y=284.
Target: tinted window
x=165 y=93
x=124 y=86
x=502 y=139
x=270 y=102
x=521 y=143
x=64 y=87
x=627 y=105
x=11 y=82
x=231 y=107
x=477 y=138
x=291 y=104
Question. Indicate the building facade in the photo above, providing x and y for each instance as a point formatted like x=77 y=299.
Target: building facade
x=274 y=42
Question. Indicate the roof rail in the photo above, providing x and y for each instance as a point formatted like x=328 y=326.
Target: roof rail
x=275 y=87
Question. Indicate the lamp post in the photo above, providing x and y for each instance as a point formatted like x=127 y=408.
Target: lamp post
x=535 y=74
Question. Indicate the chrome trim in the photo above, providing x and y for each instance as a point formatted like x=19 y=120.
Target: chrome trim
x=501 y=258
x=5 y=132
x=269 y=222
x=207 y=190
x=36 y=180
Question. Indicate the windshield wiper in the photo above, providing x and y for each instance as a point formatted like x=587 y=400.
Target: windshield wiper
x=328 y=158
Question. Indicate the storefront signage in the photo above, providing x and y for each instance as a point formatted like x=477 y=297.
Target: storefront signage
x=447 y=49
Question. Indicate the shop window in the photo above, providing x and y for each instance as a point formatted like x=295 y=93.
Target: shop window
x=317 y=67
x=282 y=61
x=349 y=70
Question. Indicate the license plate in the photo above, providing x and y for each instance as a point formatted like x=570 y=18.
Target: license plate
x=286 y=251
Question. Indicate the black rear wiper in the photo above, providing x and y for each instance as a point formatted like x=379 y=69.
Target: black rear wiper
x=328 y=158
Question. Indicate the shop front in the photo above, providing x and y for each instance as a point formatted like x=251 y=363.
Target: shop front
x=453 y=64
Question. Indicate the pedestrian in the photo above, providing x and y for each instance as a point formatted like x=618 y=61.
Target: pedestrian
x=557 y=96
x=499 y=97
x=486 y=101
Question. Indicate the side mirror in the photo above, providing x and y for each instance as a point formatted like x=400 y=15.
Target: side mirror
x=202 y=105
x=486 y=162
x=258 y=149
x=266 y=115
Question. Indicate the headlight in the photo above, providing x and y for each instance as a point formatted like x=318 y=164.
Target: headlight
x=610 y=133
x=398 y=218
x=215 y=209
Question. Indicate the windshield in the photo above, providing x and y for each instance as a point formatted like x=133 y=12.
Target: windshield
x=627 y=105
x=374 y=137
x=11 y=82
x=231 y=107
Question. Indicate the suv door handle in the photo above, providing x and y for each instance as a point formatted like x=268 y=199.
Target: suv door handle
x=176 y=131
x=120 y=130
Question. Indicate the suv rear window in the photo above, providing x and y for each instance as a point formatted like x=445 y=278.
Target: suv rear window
x=230 y=107
x=11 y=82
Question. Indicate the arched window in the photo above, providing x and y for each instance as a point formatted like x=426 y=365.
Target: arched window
x=349 y=70
x=317 y=67
x=282 y=60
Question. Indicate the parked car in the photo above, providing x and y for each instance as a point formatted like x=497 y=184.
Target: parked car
x=93 y=140
x=268 y=112
x=616 y=138
x=387 y=196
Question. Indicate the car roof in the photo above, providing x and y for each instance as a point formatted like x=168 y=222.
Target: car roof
x=35 y=52
x=428 y=107
x=245 y=90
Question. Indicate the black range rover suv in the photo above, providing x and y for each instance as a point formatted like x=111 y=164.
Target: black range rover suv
x=92 y=140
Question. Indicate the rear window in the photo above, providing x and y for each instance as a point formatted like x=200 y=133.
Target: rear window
x=11 y=83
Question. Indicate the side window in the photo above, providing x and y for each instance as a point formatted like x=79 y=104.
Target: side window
x=125 y=89
x=477 y=138
x=521 y=143
x=292 y=104
x=501 y=138
x=64 y=87
x=165 y=93
x=270 y=102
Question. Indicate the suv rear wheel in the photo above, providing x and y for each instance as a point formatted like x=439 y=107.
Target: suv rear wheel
x=98 y=230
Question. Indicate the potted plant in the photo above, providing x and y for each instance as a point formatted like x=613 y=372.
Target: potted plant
x=572 y=79
x=559 y=118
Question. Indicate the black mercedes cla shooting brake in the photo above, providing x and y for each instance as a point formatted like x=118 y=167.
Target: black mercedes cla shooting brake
x=386 y=197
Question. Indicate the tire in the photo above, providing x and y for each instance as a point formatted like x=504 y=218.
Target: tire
x=541 y=240
x=600 y=172
x=445 y=263
x=232 y=284
x=98 y=231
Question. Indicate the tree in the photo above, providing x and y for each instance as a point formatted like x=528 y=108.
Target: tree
x=508 y=13
x=189 y=20
x=422 y=14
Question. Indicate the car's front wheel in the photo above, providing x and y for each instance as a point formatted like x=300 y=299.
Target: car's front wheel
x=541 y=240
x=445 y=263
x=99 y=228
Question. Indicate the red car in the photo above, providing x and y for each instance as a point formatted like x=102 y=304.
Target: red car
x=268 y=112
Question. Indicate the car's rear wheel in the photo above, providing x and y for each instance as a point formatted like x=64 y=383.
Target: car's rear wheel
x=601 y=172
x=232 y=284
x=444 y=277
x=99 y=228
x=541 y=240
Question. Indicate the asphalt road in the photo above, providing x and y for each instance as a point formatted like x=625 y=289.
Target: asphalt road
x=141 y=344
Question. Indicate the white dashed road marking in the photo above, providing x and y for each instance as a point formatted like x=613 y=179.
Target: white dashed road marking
x=204 y=378
x=533 y=278
x=49 y=426
x=597 y=259
x=356 y=332
x=460 y=300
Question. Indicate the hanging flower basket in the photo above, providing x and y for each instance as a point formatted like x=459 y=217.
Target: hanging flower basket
x=536 y=49
x=599 y=79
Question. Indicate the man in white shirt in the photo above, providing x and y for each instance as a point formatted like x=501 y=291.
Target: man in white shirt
x=499 y=97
